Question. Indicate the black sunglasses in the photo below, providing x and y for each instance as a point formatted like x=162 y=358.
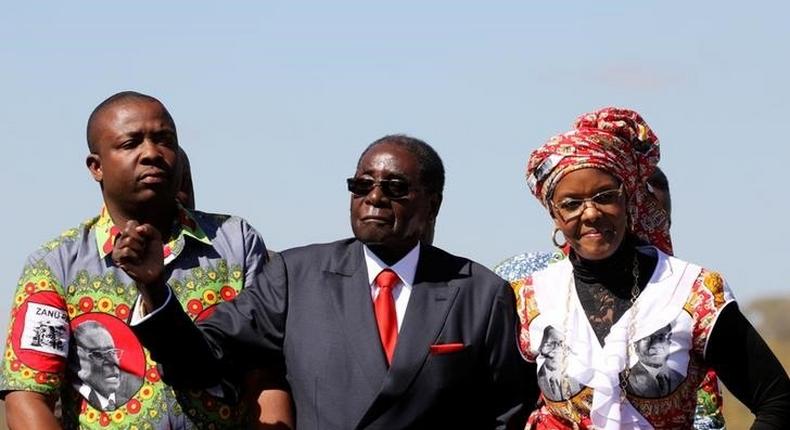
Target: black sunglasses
x=391 y=188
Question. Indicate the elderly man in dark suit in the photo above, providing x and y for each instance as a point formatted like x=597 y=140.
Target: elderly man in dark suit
x=100 y=378
x=651 y=376
x=377 y=331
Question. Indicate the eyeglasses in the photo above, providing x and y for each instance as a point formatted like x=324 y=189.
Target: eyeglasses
x=109 y=355
x=569 y=208
x=391 y=188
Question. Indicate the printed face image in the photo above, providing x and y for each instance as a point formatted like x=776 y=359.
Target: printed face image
x=654 y=376
x=106 y=362
x=653 y=350
x=550 y=348
x=552 y=380
x=99 y=360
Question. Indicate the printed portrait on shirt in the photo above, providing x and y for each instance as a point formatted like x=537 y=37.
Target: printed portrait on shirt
x=652 y=375
x=551 y=376
x=106 y=359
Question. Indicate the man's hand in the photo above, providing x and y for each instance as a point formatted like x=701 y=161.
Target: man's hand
x=138 y=252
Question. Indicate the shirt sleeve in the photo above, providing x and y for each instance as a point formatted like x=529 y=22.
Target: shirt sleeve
x=255 y=253
x=248 y=329
x=137 y=311
x=749 y=369
x=709 y=295
x=37 y=344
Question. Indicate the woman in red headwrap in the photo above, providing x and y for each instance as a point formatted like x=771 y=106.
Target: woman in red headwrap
x=622 y=332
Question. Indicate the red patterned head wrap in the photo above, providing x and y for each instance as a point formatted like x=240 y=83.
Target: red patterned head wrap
x=619 y=142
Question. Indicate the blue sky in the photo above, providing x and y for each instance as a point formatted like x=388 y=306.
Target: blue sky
x=275 y=101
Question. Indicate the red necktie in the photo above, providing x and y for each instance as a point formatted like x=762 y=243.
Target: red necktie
x=386 y=318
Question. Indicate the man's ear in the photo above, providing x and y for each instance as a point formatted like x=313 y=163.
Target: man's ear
x=436 y=203
x=93 y=161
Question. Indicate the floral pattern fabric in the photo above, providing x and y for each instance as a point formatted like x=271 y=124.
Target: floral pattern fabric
x=68 y=334
x=523 y=265
x=619 y=142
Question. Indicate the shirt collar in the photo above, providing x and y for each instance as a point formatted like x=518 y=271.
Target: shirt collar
x=184 y=225
x=405 y=268
x=652 y=370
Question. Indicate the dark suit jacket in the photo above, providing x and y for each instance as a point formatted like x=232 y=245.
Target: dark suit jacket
x=94 y=401
x=642 y=383
x=312 y=308
x=128 y=387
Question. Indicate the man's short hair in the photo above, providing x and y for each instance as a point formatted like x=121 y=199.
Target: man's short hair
x=88 y=329
x=659 y=180
x=114 y=99
x=431 y=166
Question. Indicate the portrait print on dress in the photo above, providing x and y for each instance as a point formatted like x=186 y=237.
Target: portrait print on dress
x=652 y=376
x=108 y=370
x=551 y=379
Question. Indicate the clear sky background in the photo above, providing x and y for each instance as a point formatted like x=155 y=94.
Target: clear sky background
x=275 y=101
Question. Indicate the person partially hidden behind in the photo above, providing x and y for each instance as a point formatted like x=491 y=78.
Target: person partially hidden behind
x=270 y=403
x=376 y=331
x=186 y=190
x=68 y=338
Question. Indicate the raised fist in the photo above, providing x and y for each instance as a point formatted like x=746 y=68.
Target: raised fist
x=138 y=251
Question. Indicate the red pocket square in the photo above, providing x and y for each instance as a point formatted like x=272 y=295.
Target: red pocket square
x=446 y=348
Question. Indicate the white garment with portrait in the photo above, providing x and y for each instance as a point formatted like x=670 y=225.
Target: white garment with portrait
x=661 y=303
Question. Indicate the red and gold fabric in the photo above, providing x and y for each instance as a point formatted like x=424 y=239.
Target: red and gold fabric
x=619 y=142
x=679 y=305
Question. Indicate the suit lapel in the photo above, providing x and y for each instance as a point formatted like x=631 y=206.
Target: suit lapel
x=350 y=293
x=431 y=299
x=428 y=307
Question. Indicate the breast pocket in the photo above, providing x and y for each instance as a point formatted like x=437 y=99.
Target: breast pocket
x=449 y=363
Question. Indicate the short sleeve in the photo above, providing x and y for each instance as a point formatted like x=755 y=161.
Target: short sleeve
x=709 y=295
x=37 y=343
x=527 y=311
x=255 y=254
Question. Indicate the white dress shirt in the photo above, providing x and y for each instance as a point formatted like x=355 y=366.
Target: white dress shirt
x=405 y=268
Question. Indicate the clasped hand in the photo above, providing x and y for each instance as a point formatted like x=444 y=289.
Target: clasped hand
x=138 y=252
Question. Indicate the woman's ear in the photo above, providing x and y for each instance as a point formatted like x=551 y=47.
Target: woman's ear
x=557 y=221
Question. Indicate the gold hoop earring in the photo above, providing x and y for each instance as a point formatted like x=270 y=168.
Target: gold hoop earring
x=554 y=239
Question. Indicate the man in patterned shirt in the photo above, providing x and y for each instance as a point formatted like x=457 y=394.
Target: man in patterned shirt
x=68 y=330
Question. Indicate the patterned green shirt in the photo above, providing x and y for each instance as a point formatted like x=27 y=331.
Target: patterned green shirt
x=68 y=334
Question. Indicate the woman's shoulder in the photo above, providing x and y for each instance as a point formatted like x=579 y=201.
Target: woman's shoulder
x=706 y=284
x=710 y=293
x=706 y=281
